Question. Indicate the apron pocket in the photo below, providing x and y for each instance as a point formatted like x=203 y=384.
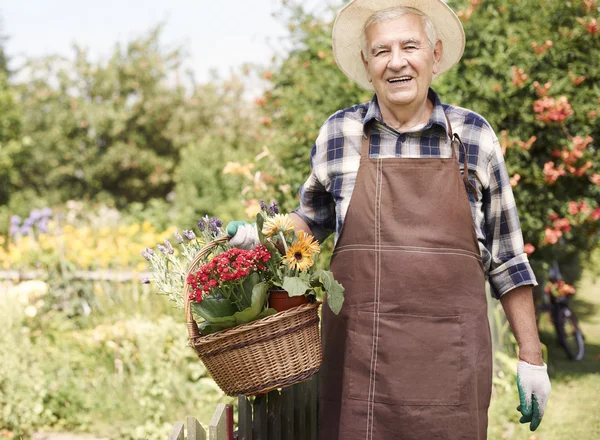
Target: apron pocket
x=418 y=359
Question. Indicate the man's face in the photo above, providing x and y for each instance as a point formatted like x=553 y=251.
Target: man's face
x=400 y=61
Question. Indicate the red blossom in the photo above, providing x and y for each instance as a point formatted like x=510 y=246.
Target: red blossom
x=552 y=173
x=551 y=236
x=230 y=266
x=529 y=249
x=552 y=110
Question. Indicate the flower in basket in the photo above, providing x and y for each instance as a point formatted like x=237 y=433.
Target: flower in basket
x=293 y=257
x=225 y=286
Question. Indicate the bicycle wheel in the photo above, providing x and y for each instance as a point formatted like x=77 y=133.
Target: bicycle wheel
x=569 y=334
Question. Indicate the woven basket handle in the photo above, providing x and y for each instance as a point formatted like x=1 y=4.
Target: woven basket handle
x=193 y=330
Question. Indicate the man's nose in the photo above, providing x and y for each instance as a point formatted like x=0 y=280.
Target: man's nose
x=397 y=60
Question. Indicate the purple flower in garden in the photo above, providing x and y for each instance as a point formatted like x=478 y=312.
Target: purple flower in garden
x=214 y=226
x=168 y=247
x=202 y=223
x=35 y=215
x=189 y=234
x=178 y=237
x=150 y=251
x=145 y=281
x=263 y=205
x=43 y=225
x=162 y=248
x=145 y=254
x=46 y=212
x=273 y=209
x=15 y=225
x=25 y=229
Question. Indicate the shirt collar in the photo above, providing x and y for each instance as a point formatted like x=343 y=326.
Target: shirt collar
x=438 y=117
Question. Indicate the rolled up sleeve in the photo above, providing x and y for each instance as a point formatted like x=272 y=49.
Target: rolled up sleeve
x=510 y=266
x=317 y=205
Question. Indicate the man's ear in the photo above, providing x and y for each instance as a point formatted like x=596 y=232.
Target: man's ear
x=366 y=64
x=438 y=51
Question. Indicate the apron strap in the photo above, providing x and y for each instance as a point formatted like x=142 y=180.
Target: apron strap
x=455 y=139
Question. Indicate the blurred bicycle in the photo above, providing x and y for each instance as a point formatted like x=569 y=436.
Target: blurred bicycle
x=555 y=299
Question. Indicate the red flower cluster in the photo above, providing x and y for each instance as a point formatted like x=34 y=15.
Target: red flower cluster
x=550 y=110
x=230 y=266
x=559 y=288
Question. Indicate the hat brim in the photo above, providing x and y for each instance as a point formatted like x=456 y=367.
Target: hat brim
x=349 y=24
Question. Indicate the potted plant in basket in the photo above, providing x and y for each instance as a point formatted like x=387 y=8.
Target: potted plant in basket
x=294 y=279
x=247 y=346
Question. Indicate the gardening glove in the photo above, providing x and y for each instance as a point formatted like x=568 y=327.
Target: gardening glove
x=243 y=235
x=534 y=390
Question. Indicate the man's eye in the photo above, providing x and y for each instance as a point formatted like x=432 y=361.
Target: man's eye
x=411 y=47
x=380 y=52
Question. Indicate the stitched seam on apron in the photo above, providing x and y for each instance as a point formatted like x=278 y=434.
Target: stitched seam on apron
x=350 y=247
x=413 y=252
x=373 y=376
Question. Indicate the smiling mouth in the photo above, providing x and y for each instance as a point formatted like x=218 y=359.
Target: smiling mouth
x=399 y=80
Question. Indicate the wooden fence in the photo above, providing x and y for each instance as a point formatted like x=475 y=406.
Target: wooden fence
x=289 y=414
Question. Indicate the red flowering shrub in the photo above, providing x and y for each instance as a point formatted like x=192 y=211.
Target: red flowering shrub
x=226 y=271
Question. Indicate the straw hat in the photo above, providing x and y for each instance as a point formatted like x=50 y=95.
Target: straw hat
x=349 y=24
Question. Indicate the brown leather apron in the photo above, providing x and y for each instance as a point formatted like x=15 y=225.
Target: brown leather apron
x=409 y=356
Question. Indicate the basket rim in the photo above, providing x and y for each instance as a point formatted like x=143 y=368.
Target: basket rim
x=197 y=341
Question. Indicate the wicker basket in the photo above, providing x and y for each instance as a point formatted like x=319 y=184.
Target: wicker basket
x=255 y=358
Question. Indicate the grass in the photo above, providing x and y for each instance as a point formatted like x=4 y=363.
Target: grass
x=573 y=411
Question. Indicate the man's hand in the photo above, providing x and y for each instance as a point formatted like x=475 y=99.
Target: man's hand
x=243 y=235
x=534 y=390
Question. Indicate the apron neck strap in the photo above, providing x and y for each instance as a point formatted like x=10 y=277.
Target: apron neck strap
x=454 y=140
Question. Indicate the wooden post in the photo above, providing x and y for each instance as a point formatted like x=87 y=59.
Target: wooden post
x=244 y=419
x=287 y=413
x=217 y=429
x=313 y=408
x=194 y=430
x=259 y=425
x=177 y=432
x=229 y=415
x=274 y=415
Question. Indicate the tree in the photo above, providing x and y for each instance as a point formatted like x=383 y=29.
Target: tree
x=526 y=68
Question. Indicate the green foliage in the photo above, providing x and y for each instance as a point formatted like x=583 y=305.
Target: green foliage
x=516 y=53
x=511 y=47
x=305 y=89
x=121 y=372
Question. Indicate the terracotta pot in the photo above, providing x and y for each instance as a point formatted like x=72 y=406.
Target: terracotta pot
x=280 y=300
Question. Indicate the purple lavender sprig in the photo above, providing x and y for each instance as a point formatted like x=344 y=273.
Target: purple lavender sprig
x=178 y=237
x=189 y=235
x=274 y=208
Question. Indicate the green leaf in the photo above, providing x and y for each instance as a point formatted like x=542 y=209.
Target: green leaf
x=295 y=286
x=335 y=291
x=260 y=220
x=265 y=313
x=213 y=307
x=252 y=313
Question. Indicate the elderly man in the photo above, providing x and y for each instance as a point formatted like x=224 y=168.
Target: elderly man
x=409 y=356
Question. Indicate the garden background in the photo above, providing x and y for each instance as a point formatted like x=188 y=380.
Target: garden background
x=100 y=159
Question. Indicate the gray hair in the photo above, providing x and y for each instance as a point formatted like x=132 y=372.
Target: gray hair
x=393 y=13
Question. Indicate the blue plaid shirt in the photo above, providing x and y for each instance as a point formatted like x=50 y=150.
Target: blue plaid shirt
x=335 y=158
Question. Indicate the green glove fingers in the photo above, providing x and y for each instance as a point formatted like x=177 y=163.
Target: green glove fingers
x=536 y=418
x=232 y=227
x=523 y=408
x=534 y=389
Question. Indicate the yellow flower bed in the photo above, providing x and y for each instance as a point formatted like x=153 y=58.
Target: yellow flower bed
x=84 y=248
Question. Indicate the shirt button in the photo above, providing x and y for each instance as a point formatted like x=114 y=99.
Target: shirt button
x=402 y=137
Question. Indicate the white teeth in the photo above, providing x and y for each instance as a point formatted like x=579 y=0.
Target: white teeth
x=402 y=78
